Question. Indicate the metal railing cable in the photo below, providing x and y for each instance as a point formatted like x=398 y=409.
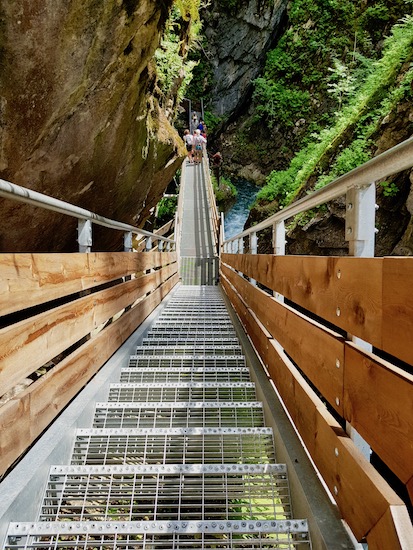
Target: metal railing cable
x=18 y=193
x=390 y=162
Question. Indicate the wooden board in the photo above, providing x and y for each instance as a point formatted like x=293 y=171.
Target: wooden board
x=24 y=418
x=29 y=344
x=398 y=307
x=316 y=350
x=378 y=402
x=344 y=291
x=393 y=531
x=27 y=280
x=362 y=495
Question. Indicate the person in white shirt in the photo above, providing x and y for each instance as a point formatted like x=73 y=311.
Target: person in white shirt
x=199 y=143
x=189 y=144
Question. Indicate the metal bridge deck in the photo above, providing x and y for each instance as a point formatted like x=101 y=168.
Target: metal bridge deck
x=199 y=262
x=178 y=456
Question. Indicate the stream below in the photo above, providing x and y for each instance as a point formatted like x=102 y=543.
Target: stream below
x=237 y=214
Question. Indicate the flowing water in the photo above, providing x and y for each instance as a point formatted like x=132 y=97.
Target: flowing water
x=237 y=215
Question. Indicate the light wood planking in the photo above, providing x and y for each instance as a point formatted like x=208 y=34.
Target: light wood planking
x=27 y=280
x=378 y=402
x=378 y=397
x=398 y=307
x=29 y=344
x=316 y=350
x=362 y=495
x=24 y=418
x=343 y=291
x=393 y=531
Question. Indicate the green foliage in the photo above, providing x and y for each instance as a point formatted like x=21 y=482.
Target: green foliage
x=341 y=37
x=188 y=9
x=341 y=83
x=165 y=210
x=211 y=120
x=225 y=192
x=381 y=89
x=390 y=189
x=174 y=69
x=279 y=103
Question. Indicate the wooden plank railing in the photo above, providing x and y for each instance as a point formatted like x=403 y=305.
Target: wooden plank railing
x=335 y=335
x=312 y=365
x=102 y=299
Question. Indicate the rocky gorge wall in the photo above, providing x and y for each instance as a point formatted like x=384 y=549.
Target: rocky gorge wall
x=237 y=40
x=79 y=119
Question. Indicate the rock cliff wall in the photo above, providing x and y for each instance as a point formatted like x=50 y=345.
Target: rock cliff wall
x=237 y=41
x=79 y=120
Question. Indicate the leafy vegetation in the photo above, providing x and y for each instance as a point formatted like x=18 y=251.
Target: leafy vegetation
x=165 y=210
x=364 y=92
x=174 y=68
x=225 y=192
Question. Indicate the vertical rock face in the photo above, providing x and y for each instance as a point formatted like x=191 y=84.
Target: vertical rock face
x=237 y=44
x=78 y=119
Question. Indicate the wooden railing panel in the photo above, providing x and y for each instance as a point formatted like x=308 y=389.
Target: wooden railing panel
x=29 y=344
x=378 y=402
x=27 y=280
x=343 y=291
x=24 y=418
x=362 y=495
x=393 y=530
x=314 y=348
x=398 y=307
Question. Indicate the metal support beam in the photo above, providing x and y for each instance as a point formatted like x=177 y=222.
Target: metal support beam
x=127 y=241
x=84 y=235
x=360 y=233
x=253 y=250
x=278 y=242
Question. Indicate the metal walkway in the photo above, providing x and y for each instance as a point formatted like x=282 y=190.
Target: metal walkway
x=199 y=262
x=178 y=456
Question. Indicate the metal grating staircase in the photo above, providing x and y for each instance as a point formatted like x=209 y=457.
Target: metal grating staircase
x=178 y=457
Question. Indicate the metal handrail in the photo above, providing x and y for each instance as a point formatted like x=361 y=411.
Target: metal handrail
x=390 y=162
x=15 y=192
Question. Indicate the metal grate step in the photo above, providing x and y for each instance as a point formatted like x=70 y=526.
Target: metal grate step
x=184 y=374
x=190 y=351
x=179 y=415
x=216 y=361
x=173 y=446
x=160 y=535
x=182 y=391
x=220 y=492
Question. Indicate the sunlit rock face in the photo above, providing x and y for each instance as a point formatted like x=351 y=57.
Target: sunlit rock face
x=79 y=120
x=237 y=42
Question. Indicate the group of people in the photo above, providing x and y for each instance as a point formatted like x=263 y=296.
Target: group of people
x=195 y=143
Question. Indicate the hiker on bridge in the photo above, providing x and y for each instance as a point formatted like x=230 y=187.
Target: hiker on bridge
x=189 y=144
x=199 y=143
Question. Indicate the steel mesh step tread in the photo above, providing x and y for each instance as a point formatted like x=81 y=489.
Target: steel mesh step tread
x=161 y=375
x=189 y=351
x=166 y=492
x=182 y=391
x=173 y=446
x=179 y=415
x=195 y=361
